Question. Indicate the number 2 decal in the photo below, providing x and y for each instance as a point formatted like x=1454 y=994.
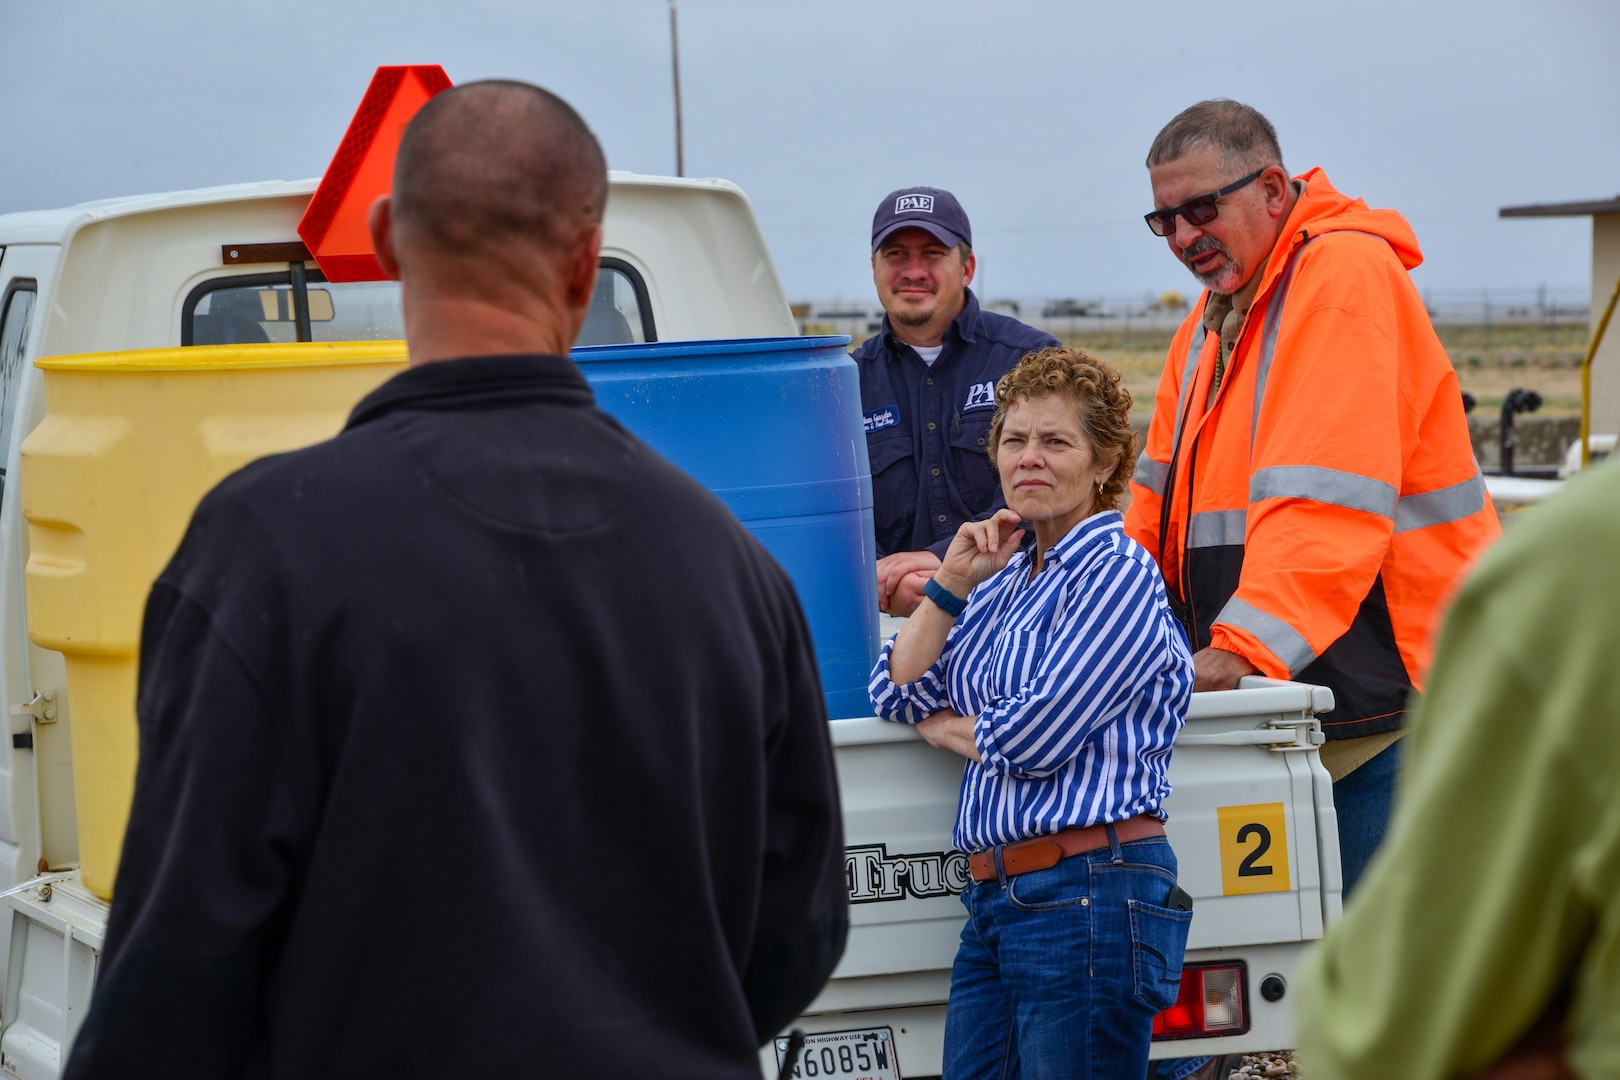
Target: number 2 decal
x=1254 y=848
x=1247 y=867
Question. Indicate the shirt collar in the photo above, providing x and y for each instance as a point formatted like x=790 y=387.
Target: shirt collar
x=1089 y=533
x=967 y=321
x=474 y=381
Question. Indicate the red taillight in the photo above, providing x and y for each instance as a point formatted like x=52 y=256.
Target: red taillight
x=1213 y=1001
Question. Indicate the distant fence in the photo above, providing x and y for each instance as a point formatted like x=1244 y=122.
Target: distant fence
x=1072 y=316
x=1516 y=307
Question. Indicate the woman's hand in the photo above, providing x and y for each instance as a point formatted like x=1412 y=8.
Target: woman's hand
x=979 y=549
x=951 y=731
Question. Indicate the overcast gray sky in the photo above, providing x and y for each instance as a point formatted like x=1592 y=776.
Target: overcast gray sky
x=1036 y=113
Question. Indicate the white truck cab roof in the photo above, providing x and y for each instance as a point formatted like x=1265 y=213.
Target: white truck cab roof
x=127 y=271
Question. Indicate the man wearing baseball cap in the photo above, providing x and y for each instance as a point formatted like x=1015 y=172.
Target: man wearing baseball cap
x=928 y=388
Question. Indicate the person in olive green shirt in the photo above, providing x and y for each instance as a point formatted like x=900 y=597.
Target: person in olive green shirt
x=1493 y=911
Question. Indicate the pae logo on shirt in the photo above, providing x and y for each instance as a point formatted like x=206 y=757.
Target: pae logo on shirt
x=884 y=416
x=980 y=396
x=914 y=204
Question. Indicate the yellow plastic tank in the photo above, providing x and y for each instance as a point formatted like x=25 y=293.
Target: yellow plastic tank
x=129 y=445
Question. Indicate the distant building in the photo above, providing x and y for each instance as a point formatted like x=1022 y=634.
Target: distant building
x=1605 y=215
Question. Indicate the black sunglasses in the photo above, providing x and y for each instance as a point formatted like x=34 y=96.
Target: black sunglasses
x=1199 y=211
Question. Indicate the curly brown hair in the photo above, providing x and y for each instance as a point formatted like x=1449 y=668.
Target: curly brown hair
x=1104 y=406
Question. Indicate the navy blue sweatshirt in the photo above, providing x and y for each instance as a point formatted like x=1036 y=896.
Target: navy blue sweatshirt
x=478 y=740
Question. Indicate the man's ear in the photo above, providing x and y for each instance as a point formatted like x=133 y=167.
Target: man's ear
x=581 y=283
x=970 y=263
x=381 y=222
x=1275 y=184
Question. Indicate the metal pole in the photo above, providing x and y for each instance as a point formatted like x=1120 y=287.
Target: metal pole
x=1586 y=378
x=675 y=66
x=300 y=301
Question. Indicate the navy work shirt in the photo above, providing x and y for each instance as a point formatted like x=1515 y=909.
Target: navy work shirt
x=928 y=427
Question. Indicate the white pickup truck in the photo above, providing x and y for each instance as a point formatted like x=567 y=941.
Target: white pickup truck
x=1252 y=814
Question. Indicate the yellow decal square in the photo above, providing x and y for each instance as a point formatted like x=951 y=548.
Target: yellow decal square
x=1254 y=848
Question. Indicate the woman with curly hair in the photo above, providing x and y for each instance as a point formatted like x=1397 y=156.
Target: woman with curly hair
x=1057 y=670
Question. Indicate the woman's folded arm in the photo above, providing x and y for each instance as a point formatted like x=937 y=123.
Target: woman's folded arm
x=912 y=702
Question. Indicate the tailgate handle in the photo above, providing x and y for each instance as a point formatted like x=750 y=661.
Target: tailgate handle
x=1293 y=735
x=1251 y=737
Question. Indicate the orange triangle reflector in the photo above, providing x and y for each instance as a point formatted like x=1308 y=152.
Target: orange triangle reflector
x=334 y=225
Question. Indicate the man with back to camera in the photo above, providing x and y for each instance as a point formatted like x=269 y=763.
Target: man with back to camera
x=430 y=733
x=928 y=388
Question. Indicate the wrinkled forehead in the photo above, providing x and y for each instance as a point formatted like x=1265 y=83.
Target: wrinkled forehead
x=1055 y=412
x=1197 y=172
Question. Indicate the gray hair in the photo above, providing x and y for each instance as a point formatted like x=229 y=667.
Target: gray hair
x=1245 y=138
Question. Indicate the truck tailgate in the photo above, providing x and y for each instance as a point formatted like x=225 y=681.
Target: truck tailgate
x=1251 y=821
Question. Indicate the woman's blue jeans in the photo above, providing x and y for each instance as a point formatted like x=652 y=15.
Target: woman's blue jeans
x=1060 y=971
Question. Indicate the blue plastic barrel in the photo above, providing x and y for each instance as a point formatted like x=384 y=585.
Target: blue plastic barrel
x=773 y=427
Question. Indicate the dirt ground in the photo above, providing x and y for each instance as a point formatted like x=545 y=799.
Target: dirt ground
x=1489 y=361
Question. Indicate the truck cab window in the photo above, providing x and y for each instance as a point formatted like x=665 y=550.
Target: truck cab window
x=255 y=309
x=14 y=319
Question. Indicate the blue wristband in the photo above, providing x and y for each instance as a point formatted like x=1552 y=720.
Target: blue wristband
x=944 y=599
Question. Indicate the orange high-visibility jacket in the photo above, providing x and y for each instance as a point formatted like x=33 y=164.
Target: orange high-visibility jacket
x=1316 y=516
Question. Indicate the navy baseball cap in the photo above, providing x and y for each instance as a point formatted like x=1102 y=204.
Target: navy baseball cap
x=932 y=209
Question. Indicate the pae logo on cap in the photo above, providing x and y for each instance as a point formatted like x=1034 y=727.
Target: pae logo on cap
x=914 y=204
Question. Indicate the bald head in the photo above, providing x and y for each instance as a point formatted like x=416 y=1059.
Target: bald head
x=494 y=225
x=489 y=165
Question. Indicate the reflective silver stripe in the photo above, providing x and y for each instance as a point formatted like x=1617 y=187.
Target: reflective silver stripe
x=1324 y=486
x=1151 y=474
x=1217 y=528
x=1194 y=347
x=1439 y=507
x=1268 y=340
x=1286 y=643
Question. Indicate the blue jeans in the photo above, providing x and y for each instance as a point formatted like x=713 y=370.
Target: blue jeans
x=1363 y=800
x=1061 y=971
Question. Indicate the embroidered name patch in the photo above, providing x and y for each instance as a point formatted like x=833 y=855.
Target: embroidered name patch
x=980 y=396
x=880 y=418
x=914 y=204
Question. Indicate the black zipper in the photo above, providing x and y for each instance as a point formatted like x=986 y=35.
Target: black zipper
x=1186 y=549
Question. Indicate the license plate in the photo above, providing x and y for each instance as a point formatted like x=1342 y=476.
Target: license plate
x=867 y=1054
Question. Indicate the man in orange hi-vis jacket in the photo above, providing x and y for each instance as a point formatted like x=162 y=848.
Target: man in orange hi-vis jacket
x=1308 y=484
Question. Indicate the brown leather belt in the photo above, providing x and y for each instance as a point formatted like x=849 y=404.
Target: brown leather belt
x=1045 y=852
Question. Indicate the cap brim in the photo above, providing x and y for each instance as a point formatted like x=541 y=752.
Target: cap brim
x=938 y=232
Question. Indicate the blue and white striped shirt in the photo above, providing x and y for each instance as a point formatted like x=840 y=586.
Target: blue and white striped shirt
x=1079 y=678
